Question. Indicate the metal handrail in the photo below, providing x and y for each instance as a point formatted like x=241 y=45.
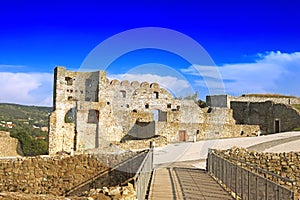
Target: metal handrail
x=232 y=175
x=255 y=167
x=143 y=175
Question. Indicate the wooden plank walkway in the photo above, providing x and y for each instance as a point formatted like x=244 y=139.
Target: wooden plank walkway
x=185 y=183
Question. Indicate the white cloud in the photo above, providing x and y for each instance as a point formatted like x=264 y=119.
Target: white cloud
x=26 y=88
x=273 y=72
x=176 y=86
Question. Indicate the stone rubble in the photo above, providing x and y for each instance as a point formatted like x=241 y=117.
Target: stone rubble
x=112 y=193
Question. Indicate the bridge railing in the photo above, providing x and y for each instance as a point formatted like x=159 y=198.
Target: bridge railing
x=245 y=184
x=143 y=175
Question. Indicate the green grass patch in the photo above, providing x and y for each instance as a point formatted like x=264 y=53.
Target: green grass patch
x=296 y=129
x=296 y=106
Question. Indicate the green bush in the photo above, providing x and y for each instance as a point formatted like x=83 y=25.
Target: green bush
x=296 y=129
x=30 y=146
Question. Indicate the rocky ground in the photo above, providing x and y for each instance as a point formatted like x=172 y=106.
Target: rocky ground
x=111 y=193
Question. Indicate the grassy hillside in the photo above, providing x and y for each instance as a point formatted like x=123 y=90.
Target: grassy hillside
x=33 y=114
x=28 y=122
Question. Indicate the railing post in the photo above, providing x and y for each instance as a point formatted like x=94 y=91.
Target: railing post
x=256 y=192
x=266 y=189
x=242 y=184
x=236 y=177
x=249 y=185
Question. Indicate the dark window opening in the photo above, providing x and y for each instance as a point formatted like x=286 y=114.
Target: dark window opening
x=147 y=106
x=174 y=109
x=93 y=116
x=169 y=105
x=69 y=80
x=178 y=108
x=155 y=95
x=242 y=132
x=135 y=111
x=70 y=116
x=70 y=98
x=127 y=106
x=107 y=103
x=123 y=94
x=197 y=132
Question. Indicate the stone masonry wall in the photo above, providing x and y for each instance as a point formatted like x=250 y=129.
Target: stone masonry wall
x=91 y=111
x=53 y=175
x=8 y=145
x=266 y=115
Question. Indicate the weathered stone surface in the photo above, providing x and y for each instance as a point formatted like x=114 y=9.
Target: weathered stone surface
x=47 y=175
x=92 y=112
x=266 y=115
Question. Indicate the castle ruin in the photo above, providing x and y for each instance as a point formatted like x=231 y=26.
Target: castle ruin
x=91 y=111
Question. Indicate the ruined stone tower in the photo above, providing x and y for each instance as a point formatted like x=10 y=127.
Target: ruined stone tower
x=90 y=112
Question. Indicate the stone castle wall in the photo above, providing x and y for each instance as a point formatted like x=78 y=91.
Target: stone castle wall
x=271 y=117
x=8 y=145
x=91 y=112
x=225 y=100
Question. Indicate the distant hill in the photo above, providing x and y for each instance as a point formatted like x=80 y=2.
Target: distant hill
x=269 y=95
x=34 y=114
x=28 y=124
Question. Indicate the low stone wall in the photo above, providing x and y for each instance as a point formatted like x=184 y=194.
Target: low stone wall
x=286 y=165
x=53 y=175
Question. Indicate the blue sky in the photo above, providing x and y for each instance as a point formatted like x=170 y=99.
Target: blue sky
x=255 y=45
